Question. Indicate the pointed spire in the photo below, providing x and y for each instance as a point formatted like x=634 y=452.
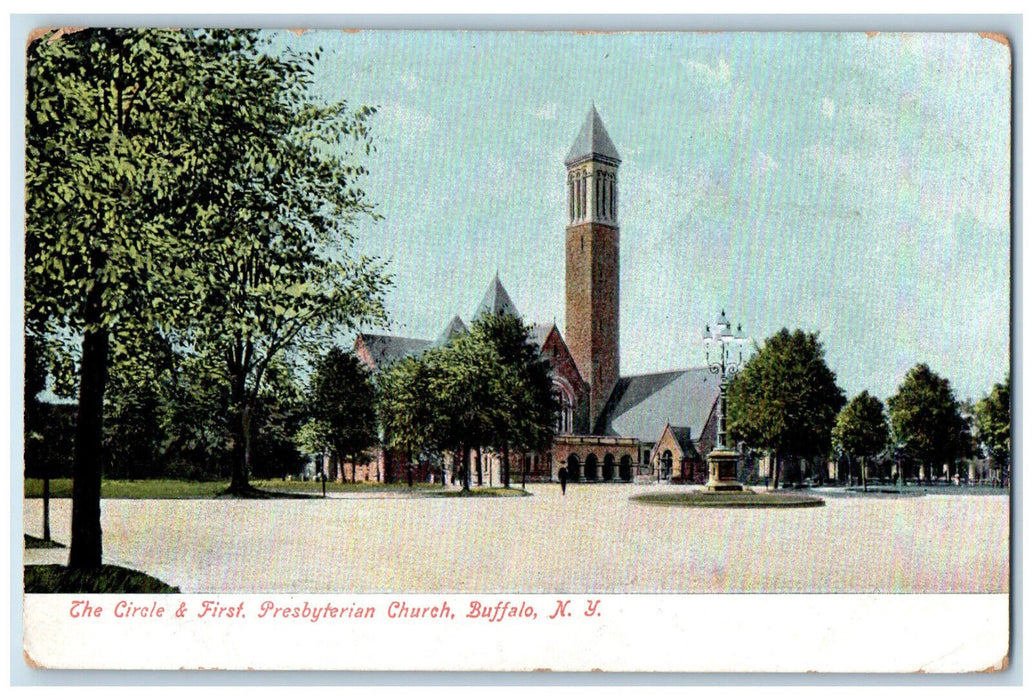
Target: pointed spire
x=592 y=141
x=496 y=300
x=455 y=327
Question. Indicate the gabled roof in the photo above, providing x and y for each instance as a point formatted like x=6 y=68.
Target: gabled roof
x=385 y=349
x=591 y=141
x=495 y=301
x=641 y=406
x=540 y=333
x=455 y=327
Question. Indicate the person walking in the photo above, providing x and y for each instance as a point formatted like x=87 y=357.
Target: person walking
x=563 y=480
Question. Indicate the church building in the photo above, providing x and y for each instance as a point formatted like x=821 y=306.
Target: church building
x=611 y=427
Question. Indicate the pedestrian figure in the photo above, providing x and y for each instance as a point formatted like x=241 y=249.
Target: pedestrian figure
x=563 y=480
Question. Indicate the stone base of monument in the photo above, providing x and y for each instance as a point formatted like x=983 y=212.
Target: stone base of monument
x=724 y=465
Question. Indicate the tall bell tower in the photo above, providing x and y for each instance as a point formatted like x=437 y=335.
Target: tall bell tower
x=593 y=262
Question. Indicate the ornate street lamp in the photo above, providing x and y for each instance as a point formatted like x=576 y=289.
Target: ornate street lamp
x=724 y=350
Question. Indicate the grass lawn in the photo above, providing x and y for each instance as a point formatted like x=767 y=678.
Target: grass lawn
x=730 y=499
x=496 y=492
x=181 y=488
x=54 y=578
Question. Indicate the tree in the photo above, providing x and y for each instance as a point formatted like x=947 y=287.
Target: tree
x=412 y=413
x=786 y=399
x=861 y=430
x=111 y=140
x=926 y=419
x=274 y=274
x=993 y=426
x=343 y=400
x=522 y=407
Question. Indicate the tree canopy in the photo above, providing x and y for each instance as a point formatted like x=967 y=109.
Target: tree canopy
x=993 y=423
x=926 y=419
x=785 y=399
x=861 y=430
x=488 y=387
x=344 y=409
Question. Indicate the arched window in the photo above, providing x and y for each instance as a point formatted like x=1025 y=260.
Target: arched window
x=591 y=468
x=625 y=468
x=573 y=468
x=608 y=467
x=666 y=465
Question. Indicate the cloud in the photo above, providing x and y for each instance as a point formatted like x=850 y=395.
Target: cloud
x=719 y=74
x=545 y=112
x=828 y=107
x=764 y=164
x=402 y=119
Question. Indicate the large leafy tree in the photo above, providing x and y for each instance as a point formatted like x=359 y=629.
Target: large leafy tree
x=926 y=419
x=521 y=408
x=276 y=275
x=343 y=401
x=786 y=399
x=412 y=411
x=112 y=144
x=993 y=424
x=861 y=430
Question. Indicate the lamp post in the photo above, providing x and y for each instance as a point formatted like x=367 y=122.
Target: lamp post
x=725 y=359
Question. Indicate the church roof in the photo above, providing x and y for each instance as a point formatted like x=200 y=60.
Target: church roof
x=385 y=349
x=540 y=333
x=496 y=301
x=641 y=406
x=455 y=327
x=592 y=140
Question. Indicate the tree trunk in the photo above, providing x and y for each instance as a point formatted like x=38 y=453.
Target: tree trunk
x=465 y=469
x=86 y=550
x=864 y=477
x=480 y=472
x=777 y=464
x=46 y=508
x=241 y=454
x=505 y=466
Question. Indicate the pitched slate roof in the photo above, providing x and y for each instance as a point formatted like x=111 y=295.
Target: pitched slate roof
x=592 y=140
x=496 y=300
x=455 y=327
x=385 y=349
x=641 y=406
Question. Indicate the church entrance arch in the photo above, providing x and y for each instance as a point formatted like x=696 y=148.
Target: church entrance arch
x=625 y=468
x=573 y=468
x=608 y=464
x=591 y=468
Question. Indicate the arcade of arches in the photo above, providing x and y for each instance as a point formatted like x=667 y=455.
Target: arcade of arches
x=595 y=458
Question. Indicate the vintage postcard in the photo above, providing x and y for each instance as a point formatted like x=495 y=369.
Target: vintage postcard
x=511 y=351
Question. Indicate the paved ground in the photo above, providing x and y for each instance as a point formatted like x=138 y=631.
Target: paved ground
x=592 y=540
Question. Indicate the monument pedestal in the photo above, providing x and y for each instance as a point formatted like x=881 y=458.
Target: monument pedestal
x=723 y=466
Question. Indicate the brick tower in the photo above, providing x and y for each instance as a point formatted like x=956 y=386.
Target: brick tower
x=593 y=263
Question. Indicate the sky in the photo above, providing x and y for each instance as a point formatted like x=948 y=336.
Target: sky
x=853 y=185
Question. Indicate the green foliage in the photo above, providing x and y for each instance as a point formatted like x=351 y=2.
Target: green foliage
x=344 y=405
x=926 y=419
x=488 y=387
x=993 y=422
x=786 y=398
x=861 y=429
x=284 y=190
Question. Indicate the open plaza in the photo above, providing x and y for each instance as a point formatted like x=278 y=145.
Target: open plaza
x=594 y=539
